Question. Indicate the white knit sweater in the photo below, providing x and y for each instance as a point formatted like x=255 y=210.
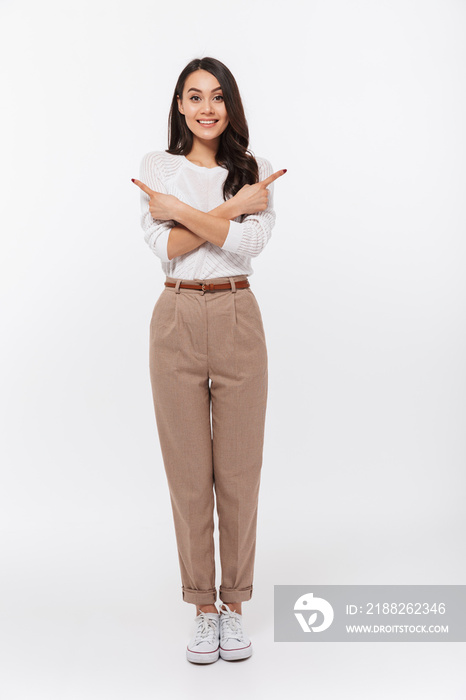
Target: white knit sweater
x=201 y=188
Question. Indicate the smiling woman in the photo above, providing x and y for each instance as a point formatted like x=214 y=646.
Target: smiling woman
x=205 y=106
x=207 y=209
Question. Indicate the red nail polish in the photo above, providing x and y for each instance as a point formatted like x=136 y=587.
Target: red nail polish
x=284 y=170
x=132 y=179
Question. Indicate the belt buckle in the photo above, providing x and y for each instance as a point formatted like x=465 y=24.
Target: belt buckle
x=209 y=287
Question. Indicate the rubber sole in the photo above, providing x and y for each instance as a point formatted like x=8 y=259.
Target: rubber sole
x=203 y=657
x=236 y=654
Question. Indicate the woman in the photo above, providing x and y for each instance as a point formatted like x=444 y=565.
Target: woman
x=206 y=211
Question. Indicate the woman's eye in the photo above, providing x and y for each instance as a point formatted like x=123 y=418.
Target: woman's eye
x=195 y=98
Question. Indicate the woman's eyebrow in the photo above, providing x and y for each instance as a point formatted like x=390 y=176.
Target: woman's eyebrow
x=197 y=89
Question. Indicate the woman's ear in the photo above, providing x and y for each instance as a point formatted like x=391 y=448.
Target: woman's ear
x=180 y=108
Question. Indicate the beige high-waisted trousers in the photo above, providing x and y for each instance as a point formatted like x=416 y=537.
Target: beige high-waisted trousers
x=208 y=355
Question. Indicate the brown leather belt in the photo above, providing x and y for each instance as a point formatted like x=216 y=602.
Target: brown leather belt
x=209 y=287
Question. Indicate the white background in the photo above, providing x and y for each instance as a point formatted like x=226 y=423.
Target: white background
x=362 y=291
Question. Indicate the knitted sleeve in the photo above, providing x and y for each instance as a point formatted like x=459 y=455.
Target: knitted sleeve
x=156 y=231
x=250 y=235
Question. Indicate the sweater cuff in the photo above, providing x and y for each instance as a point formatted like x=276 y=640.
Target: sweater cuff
x=234 y=236
x=161 y=246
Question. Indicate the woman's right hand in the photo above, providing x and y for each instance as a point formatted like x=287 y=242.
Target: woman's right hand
x=253 y=198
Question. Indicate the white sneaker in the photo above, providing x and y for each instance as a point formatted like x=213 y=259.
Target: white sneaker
x=204 y=645
x=234 y=642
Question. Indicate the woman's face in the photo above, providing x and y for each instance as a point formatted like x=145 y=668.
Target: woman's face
x=203 y=106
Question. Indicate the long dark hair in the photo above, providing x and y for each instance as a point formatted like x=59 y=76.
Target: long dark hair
x=233 y=152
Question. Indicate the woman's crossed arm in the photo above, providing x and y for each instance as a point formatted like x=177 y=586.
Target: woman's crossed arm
x=194 y=226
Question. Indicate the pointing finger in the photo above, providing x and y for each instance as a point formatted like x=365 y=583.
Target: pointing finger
x=273 y=177
x=143 y=187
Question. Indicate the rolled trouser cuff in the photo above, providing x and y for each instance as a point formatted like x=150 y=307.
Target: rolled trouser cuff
x=235 y=595
x=192 y=595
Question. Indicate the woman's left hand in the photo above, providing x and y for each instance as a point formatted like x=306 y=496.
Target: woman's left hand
x=161 y=206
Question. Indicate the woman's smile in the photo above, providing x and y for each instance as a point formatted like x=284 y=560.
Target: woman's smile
x=207 y=122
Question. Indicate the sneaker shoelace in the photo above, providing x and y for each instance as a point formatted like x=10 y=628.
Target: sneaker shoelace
x=206 y=630
x=231 y=625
